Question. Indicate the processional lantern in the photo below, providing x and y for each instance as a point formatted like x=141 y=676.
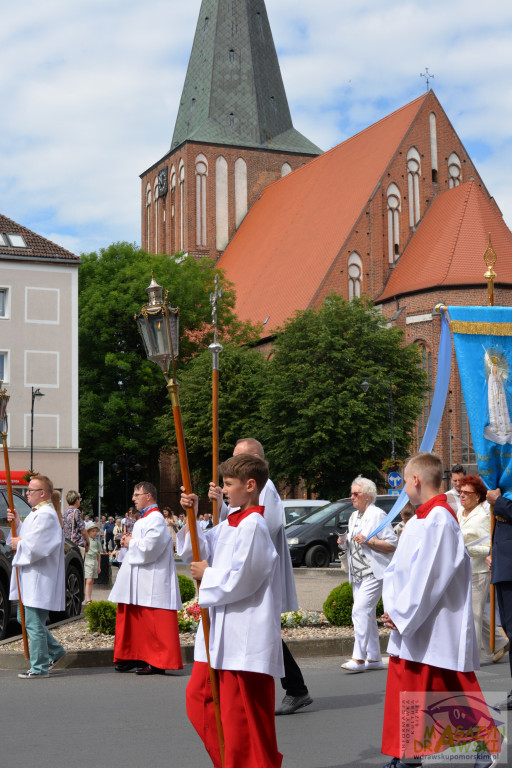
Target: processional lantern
x=159 y=327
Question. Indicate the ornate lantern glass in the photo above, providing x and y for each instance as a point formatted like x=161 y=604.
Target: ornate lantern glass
x=158 y=325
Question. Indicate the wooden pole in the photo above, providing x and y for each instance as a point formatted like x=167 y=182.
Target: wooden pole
x=196 y=552
x=492 y=618
x=15 y=533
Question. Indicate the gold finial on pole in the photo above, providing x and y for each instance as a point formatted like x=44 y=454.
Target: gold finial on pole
x=490 y=259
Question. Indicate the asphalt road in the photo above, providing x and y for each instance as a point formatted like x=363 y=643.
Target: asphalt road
x=90 y=718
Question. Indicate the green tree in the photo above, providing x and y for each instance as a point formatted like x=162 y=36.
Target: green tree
x=318 y=424
x=121 y=392
x=242 y=379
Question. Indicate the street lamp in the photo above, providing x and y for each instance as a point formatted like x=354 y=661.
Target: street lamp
x=365 y=386
x=158 y=326
x=129 y=464
x=35 y=393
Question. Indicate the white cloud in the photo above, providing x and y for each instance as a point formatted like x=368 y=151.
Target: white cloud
x=90 y=90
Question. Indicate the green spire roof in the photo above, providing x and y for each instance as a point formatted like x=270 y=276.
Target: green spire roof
x=234 y=92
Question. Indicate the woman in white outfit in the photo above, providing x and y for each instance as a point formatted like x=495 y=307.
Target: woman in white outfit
x=475 y=523
x=367 y=561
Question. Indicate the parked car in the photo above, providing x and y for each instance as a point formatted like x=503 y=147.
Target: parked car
x=313 y=538
x=296 y=508
x=73 y=562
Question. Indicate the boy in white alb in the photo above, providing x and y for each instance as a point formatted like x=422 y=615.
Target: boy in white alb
x=432 y=649
x=240 y=584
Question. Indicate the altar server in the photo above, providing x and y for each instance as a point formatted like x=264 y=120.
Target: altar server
x=296 y=692
x=427 y=599
x=240 y=584
x=39 y=562
x=147 y=593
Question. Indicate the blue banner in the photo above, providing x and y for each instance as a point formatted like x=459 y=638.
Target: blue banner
x=483 y=344
x=444 y=364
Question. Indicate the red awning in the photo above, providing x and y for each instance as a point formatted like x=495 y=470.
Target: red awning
x=16 y=477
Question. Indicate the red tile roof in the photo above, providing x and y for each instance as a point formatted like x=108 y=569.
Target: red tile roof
x=448 y=247
x=38 y=247
x=289 y=239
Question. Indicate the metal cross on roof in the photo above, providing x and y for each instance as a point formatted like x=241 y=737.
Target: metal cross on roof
x=427 y=75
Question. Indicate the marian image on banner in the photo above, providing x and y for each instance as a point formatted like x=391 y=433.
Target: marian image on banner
x=483 y=344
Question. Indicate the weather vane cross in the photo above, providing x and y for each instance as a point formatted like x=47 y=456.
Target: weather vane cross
x=214 y=298
x=427 y=75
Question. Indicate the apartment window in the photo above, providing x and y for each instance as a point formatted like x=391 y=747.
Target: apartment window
x=4 y=368
x=3 y=302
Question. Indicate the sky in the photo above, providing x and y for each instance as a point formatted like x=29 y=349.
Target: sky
x=89 y=92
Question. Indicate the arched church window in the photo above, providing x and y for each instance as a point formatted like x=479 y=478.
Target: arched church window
x=433 y=146
x=221 y=203
x=156 y=206
x=201 y=174
x=148 y=216
x=454 y=170
x=355 y=275
x=286 y=169
x=181 y=182
x=413 y=180
x=173 y=231
x=240 y=190
x=394 y=209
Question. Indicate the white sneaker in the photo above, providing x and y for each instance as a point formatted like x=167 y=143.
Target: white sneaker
x=353 y=666
x=29 y=675
x=374 y=665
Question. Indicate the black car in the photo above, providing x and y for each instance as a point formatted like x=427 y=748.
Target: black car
x=73 y=561
x=313 y=540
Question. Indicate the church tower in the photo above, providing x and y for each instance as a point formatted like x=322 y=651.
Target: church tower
x=233 y=135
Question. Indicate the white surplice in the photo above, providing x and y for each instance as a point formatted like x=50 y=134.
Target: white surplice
x=274 y=517
x=243 y=592
x=427 y=593
x=39 y=560
x=147 y=575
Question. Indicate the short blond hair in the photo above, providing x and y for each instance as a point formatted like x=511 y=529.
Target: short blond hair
x=428 y=466
x=46 y=483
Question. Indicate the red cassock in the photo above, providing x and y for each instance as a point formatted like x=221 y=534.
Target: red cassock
x=247 y=715
x=147 y=634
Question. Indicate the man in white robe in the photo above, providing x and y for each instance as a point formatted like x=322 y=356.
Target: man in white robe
x=296 y=692
x=147 y=593
x=39 y=564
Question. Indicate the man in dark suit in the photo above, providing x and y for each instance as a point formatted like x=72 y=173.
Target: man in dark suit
x=501 y=568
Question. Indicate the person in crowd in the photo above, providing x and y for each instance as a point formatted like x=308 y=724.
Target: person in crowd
x=147 y=593
x=239 y=578
x=129 y=520
x=181 y=520
x=501 y=568
x=296 y=693
x=72 y=523
x=39 y=564
x=427 y=603
x=453 y=496
x=118 y=533
x=109 y=534
x=406 y=513
x=171 y=522
x=367 y=561
x=92 y=563
x=103 y=521
x=475 y=523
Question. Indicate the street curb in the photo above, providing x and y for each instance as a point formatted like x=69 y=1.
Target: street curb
x=104 y=657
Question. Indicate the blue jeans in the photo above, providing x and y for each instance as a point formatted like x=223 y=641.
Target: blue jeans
x=43 y=646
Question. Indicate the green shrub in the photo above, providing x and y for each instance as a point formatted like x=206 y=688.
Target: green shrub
x=101 y=617
x=338 y=606
x=187 y=588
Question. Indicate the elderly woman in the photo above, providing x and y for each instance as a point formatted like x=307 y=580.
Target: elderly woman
x=367 y=561
x=73 y=524
x=475 y=524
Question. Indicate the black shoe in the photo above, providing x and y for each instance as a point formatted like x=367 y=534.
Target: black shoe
x=397 y=763
x=128 y=666
x=291 y=704
x=149 y=670
x=506 y=704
